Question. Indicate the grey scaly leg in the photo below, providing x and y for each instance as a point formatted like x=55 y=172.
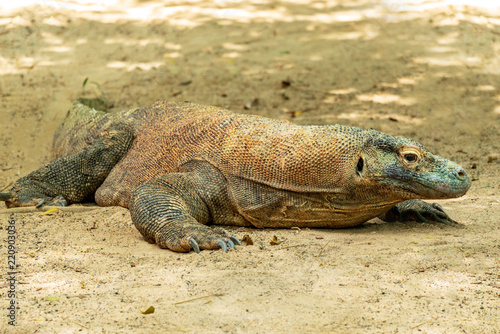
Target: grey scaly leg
x=72 y=179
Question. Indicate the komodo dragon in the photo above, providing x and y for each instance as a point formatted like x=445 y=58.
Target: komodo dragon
x=180 y=166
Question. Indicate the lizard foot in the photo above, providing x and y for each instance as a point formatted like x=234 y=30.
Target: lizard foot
x=56 y=201
x=26 y=196
x=198 y=237
x=419 y=211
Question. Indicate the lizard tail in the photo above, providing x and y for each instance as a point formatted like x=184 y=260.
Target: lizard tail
x=5 y=196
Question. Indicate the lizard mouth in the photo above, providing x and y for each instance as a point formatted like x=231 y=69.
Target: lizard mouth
x=447 y=183
x=442 y=190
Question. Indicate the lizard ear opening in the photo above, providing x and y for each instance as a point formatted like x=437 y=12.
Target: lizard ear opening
x=360 y=166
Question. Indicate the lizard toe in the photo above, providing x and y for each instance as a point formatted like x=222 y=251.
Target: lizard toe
x=57 y=201
x=216 y=242
x=420 y=217
x=194 y=244
x=235 y=240
x=223 y=245
x=438 y=207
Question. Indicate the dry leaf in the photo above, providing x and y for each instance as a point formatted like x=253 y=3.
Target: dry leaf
x=293 y=113
x=246 y=239
x=51 y=299
x=274 y=241
x=50 y=212
x=286 y=83
x=150 y=310
x=251 y=103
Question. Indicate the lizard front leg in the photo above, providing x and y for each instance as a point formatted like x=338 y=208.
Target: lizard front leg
x=418 y=210
x=72 y=179
x=170 y=211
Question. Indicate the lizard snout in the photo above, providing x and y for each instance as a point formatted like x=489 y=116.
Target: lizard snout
x=459 y=180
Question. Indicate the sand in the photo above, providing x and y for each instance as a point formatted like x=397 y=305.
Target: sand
x=425 y=70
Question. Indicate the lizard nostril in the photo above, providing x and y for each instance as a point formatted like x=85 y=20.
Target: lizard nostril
x=460 y=173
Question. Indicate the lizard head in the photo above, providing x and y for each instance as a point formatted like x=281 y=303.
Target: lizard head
x=403 y=168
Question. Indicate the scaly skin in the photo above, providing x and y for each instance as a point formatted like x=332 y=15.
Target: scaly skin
x=178 y=167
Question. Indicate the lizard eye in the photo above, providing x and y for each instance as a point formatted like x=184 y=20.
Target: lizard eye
x=410 y=157
x=410 y=154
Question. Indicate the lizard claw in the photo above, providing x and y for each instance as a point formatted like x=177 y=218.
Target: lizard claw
x=222 y=245
x=57 y=201
x=197 y=237
x=194 y=244
x=60 y=201
x=235 y=240
x=441 y=216
x=438 y=207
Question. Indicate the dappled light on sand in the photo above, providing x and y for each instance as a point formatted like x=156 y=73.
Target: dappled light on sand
x=424 y=69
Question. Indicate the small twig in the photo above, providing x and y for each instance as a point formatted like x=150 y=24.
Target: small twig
x=292 y=246
x=76 y=323
x=417 y=325
x=7 y=186
x=81 y=296
x=190 y=300
x=32 y=209
x=322 y=248
x=317 y=256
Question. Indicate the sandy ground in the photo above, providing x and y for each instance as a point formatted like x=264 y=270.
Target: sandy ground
x=426 y=70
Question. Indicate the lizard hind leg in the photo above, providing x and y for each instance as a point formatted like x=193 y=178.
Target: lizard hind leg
x=73 y=178
x=169 y=211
